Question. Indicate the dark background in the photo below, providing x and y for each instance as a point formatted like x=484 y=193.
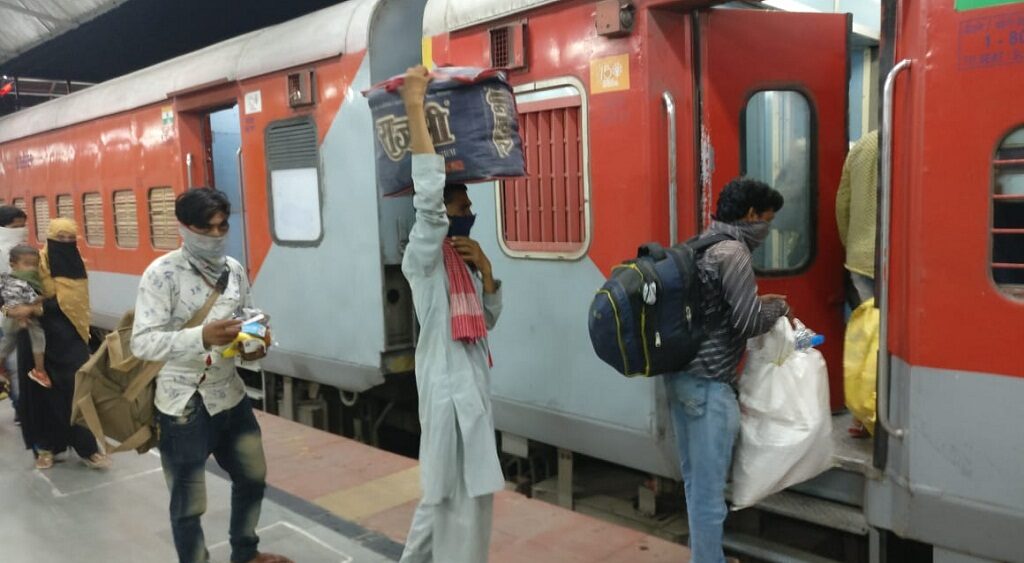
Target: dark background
x=141 y=33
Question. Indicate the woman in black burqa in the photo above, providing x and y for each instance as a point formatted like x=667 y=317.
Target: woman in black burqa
x=64 y=315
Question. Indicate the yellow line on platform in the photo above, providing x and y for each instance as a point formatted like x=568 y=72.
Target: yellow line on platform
x=365 y=500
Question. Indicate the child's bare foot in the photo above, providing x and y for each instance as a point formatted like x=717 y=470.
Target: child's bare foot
x=40 y=377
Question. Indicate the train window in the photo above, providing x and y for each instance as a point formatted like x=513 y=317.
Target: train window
x=293 y=161
x=126 y=219
x=546 y=214
x=92 y=210
x=1008 y=215
x=777 y=149
x=65 y=206
x=163 y=225
x=19 y=202
x=42 y=210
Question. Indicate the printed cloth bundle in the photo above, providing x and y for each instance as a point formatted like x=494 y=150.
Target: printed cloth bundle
x=471 y=115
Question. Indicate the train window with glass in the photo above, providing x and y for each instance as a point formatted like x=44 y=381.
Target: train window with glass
x=42 y=212
x=92 y=211
x=163 y=226
x=65 y=206
x=546 y=213
x=126 y=219
x=778 y=149
x=19 y=202
x=294 y=164
x=1008 y=215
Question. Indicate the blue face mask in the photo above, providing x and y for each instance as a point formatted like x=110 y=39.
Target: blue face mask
x=459 y=226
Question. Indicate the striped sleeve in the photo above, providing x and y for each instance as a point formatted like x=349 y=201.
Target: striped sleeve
x=748 y=316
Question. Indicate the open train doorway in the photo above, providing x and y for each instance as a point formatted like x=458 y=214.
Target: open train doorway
x=223 y=152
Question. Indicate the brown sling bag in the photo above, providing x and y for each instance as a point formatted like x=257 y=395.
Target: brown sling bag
x=115 y=391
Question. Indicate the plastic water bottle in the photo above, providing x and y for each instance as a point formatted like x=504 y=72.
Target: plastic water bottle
x=806 y=338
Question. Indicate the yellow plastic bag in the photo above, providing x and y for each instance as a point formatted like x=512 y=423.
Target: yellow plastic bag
x=860 y=363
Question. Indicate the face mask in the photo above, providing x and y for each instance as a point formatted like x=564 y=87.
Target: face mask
x=755 y=232
x=459 y=226
x=204 y=248
x=30 y=276
x=65 y=260
x=13 y=235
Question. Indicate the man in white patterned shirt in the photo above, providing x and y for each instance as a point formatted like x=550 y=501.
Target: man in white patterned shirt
x=201 y=402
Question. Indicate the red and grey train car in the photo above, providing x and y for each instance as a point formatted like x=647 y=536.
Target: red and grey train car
x=633 y=116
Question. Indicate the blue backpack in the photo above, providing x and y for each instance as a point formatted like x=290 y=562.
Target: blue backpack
x=647 y=319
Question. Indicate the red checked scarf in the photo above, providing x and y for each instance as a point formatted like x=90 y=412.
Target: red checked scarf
x=467 y=314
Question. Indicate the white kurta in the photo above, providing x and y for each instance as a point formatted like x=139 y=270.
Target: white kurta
x=453 y=378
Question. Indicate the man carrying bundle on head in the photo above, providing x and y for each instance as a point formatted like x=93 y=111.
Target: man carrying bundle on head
x=457 y=301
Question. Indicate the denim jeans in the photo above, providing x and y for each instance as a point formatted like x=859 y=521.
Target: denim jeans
x=706 y=417
x=233 y=437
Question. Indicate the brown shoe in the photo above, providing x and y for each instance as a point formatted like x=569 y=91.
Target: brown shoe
x=269 y=558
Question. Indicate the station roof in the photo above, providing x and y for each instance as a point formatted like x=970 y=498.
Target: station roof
x=342 y=28
x=27 y=23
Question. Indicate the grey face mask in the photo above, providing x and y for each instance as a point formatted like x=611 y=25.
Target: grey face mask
x=755 y=232
x=205 y=252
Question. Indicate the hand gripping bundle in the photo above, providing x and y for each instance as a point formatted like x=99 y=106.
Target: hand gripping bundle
x=471 y=116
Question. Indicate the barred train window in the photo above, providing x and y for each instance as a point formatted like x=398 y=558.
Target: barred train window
x=546 y=213
x=163 y=226
x=777 y=149
x=1008 y=215
x=65 y=206
x=126 y=219
x=293 y=160
x=42 y=211
x=92 y=210
x=19 y=202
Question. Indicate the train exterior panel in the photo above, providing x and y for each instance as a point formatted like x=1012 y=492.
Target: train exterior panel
x=956 y=304
x=640 y=103
x=115 y=156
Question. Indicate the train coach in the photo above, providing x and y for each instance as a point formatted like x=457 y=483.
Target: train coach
x=633 y=114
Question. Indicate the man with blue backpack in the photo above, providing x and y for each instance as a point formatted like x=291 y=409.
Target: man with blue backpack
x=702 y=397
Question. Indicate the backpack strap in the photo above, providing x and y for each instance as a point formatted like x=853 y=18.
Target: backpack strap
x=151 y=370
x=700 y=244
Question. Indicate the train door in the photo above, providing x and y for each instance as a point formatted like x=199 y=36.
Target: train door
x=774 y=107
x=223 y=151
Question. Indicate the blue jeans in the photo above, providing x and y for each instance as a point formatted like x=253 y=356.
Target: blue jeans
x=706 y=417
x=233 y=437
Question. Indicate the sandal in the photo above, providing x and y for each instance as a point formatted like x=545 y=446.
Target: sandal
x=97 y=461
x=40 y=377
x=44 y=459
x=857 y=430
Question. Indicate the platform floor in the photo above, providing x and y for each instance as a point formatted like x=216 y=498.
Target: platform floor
x=73 y=513
x=330 y=500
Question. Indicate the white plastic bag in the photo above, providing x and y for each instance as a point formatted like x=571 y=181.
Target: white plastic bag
x=785 y=421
